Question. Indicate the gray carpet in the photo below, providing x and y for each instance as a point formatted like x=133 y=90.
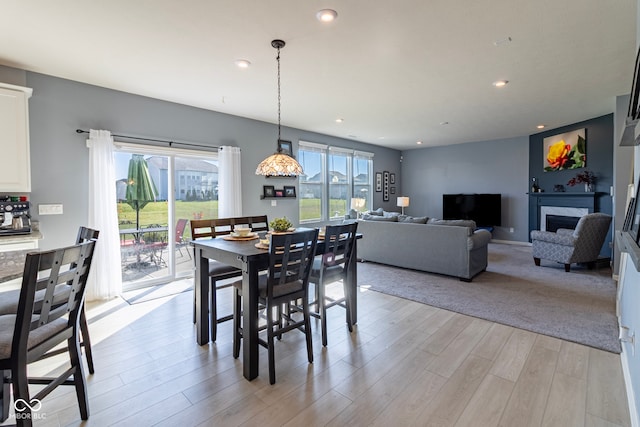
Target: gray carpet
x=578 y=306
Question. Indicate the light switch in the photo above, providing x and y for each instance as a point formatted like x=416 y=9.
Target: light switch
x=50 y=209
x=274 y=203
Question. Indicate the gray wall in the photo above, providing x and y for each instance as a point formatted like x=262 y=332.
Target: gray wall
x=481 y=167
x=59 y=157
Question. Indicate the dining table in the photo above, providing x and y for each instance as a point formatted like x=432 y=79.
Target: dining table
x=244 y=255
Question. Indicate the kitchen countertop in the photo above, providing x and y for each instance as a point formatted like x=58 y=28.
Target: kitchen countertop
x=18 y=238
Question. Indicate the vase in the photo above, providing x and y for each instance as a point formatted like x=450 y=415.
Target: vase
x=588 y=188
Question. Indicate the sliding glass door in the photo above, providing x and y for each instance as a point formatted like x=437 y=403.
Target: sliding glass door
x=159 y=192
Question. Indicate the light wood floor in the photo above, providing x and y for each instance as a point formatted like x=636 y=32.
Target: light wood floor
x=405 y=364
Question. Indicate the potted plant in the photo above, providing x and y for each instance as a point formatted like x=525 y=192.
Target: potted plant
x=587 y=178
x=280 y=225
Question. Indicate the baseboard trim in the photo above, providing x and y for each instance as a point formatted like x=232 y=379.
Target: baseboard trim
x=510 y=242
x=633 y=411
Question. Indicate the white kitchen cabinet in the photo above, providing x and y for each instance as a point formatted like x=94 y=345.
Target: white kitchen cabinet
x=15 y=173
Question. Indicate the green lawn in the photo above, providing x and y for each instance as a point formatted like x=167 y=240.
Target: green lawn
x=156 y=212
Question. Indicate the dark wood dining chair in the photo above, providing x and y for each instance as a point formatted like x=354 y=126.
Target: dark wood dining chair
x=287 y=280
x=331 y=266
x=40 y=324
x=9 y=301
x=212 y=228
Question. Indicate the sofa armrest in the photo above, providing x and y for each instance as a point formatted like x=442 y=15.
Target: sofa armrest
x=478 y=239
x=557 y=238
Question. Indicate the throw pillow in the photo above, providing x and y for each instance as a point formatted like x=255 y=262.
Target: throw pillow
x=390 y=214
x=454 y=222
x=413 y=219
x=377 y=212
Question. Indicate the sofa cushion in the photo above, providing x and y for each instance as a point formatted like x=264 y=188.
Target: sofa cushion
x=454 y=222
x=390 y=214
x=369 y=217
x=413 y=219
x=377 y=212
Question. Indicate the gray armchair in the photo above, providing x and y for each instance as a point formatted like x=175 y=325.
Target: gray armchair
x=572 y=246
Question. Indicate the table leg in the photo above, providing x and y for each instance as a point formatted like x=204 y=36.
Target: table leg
x=250 y=319
x=201 y=288
x=353 y=284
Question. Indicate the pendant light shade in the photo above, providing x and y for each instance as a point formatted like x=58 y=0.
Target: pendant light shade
x=279 y=164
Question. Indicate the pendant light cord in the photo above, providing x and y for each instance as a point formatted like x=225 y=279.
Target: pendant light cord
x=279 y=98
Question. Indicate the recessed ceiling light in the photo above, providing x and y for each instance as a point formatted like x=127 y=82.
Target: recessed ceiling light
x=500 y=42
x=242 y=63
x=540 y=126
x=419 y=142
x=500 y=83
x=339 y=120
x=326 y=15
x=444 y=123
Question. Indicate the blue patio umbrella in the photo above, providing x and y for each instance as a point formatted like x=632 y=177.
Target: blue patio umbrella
x=140 y=187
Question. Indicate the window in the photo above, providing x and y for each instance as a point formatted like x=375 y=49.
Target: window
x=333 y=177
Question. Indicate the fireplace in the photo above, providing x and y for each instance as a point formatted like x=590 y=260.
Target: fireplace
x=554 y=217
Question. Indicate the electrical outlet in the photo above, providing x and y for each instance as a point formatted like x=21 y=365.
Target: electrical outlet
x=511 y=230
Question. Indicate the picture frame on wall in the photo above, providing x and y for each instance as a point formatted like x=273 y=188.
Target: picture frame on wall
x=378 y=182
x=279 y=193
x=289 y=191
x=285 y=147
x=392 y=178
x=393 y=190
x=268 y=191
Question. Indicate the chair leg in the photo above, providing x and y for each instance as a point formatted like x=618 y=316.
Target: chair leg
x=536 y=261
x=78 y=376
x=213 y=310
x=567 y=267
x=237 y=313
x=86 y=341
x=323 y=313
x=6 y=394
x=307 y=331
x=194 y=302
x=270 y=345
x=347 y=303
x=21 y=392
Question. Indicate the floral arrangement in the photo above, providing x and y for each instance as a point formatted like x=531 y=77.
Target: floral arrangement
x=586 y=177
x=562 y=155
x=280 y=224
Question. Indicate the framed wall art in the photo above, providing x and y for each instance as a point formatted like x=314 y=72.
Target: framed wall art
x=385 y=186
x=392 y=178
x=634 y=228
x=289 y=191
x=378 y=182
x=565 y=151
x=285 y=147
x=268 y=191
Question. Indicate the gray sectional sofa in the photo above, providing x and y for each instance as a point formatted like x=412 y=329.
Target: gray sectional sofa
x=452 y=248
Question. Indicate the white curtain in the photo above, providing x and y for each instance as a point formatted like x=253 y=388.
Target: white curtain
x=229 y=182
x=105 y=279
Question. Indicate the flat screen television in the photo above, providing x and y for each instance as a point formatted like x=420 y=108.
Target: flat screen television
x=484 y=209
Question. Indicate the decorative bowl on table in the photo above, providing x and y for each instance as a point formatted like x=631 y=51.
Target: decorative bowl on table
x=281 y=225
x=242 y=231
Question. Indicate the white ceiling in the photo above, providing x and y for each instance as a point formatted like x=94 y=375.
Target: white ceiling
x=392 y=70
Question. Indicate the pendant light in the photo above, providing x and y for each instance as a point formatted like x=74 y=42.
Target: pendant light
x=279 y=164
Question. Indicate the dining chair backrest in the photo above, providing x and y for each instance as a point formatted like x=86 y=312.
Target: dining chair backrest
x=339 y=241
x=48 y=271
x=210 y=228
x=291 y=258
x=85 y=234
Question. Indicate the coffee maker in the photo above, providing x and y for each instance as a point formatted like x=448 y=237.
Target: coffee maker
x=15 y=218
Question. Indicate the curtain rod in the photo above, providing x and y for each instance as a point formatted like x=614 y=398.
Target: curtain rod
x=164 y=141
